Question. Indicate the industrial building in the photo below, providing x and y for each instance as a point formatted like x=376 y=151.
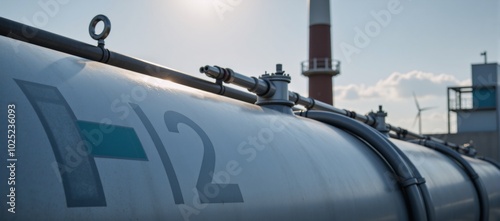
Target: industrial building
x=475 y=108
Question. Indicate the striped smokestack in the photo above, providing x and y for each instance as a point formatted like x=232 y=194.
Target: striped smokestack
x=320 y=68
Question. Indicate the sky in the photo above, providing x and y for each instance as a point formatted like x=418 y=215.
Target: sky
x=422 y=48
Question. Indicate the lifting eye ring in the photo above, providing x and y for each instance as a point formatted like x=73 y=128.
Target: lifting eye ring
x=106 y=30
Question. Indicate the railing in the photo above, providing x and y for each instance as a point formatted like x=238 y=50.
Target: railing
x=465 y=103
x=321 y=65
x=472 y=98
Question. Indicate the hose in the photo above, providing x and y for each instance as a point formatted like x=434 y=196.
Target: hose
x=478 y=184
x=410 y=179
x=431 y=213
x=493 y=162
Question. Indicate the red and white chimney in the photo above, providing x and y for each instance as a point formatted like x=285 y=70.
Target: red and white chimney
x=320 y=68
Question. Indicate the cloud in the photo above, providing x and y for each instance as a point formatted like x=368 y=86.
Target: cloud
x=401 y=85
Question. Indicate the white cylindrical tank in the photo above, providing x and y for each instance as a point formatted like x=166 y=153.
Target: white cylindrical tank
x=95 y=142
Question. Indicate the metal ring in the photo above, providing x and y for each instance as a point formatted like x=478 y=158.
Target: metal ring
x=106 y=30
x=256 y=84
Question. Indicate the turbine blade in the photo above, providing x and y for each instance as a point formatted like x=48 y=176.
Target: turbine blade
x=428 y=108
x=416 y=101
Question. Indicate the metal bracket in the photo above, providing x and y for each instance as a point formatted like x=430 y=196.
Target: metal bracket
x=402 y=135
x=220 y=82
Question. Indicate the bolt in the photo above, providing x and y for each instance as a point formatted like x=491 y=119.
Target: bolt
x=279 y=69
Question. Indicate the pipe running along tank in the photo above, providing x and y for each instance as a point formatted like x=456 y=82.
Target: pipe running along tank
x=97 y=141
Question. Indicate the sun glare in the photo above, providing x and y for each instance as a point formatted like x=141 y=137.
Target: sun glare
x=199 y=8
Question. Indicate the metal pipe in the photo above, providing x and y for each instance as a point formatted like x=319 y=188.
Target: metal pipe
x=456 y=147
x=46 y=39
x=56 y=42
x=258 y=86
x=404 y=132
x=313 y=104
x=262 y=87
x=448 y=105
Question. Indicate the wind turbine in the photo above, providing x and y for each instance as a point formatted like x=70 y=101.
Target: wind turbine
x=419 y=114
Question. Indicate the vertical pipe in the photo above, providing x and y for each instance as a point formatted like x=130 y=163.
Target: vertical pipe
x=448 y=99
x=497 y=109
x=460 y=100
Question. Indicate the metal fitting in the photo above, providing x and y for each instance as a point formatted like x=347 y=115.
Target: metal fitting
x=105 y=31
x=381 y=125
x=279 y=81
